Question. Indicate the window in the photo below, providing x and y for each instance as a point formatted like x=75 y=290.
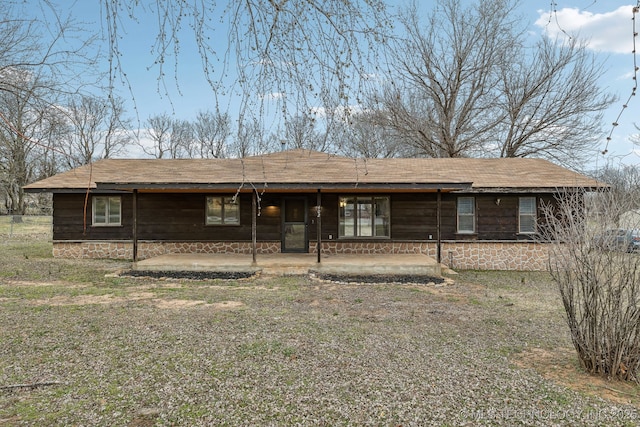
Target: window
x=466 y=215
x=364 y=216
x=107 y=210
x=223 y=211
x=527 y=215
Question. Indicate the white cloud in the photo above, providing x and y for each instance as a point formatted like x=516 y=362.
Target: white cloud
x=339 y=112
x=605 y=32
x=134 y=150
x=273 y=96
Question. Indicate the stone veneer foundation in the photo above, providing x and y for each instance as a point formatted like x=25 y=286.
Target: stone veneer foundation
x=505 y=255
x=124 y=249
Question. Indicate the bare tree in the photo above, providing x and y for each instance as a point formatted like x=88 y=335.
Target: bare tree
x=245 y=139
x=40 y=41
x=44 y=56
x=624 y=182
x=53 y=132
x=117 y=135
x=26 y=122
x=182 y=141
x=468 y=84
x=598 y=280
x=96 y=130
x=363 y=137
x=300 y=132
x=211 y=134
x=552 y=102
x=159 y=134
x=443 y=95
x=636 y=137
x=167 y=137
x=251 y=139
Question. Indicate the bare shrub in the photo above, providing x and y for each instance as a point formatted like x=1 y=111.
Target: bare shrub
x=597 y=272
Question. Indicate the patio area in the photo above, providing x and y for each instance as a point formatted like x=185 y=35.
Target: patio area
x=291 y=264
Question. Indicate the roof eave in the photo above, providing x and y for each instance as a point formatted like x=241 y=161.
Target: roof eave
x=554 y=189
x=285 y=186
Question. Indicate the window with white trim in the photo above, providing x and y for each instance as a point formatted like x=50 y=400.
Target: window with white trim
x=466 y=215
x=527 y=215
x=364 y=216
x=223 y=210
x=106 y=211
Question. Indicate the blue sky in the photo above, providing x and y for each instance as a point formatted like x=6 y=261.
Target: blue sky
x=607 y=24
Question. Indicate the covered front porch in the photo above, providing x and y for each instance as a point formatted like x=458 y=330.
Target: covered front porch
x=294 y=263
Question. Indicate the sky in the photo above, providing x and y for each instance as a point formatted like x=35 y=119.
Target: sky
x=606 y=24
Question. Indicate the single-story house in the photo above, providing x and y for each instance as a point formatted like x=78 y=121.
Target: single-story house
x=466 y=213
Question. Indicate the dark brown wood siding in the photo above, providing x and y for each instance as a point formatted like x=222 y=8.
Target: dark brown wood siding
x=181 y=217
x=497 y=217
x=268 y=224
x=329 y=218
x=413 y=216
x=69 y=219
x=496 y=220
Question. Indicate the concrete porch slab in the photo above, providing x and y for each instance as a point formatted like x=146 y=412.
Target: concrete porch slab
x=283 y=264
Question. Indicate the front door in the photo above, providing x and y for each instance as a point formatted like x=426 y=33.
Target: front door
x=294 y=225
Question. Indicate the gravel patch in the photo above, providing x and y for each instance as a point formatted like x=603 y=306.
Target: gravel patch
x=380 y=278
x=190 y=275
x=335 y=278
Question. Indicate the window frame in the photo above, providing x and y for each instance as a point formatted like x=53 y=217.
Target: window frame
x=533 y=214
x=107 y=212
x=223 y=219
x=357 y=217
x=472 y=214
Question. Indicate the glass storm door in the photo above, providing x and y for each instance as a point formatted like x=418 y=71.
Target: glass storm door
x=294 y=226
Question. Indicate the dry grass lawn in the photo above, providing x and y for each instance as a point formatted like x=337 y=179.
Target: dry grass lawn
x=81 y=347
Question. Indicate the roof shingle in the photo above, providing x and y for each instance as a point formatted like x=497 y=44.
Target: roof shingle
x=303 y=167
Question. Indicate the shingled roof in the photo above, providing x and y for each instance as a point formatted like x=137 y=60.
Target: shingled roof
x=304 y=169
